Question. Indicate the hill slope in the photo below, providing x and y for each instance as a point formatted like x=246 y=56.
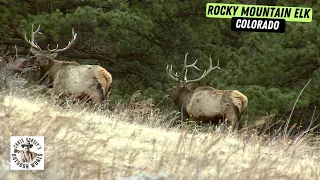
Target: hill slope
x=83 y=143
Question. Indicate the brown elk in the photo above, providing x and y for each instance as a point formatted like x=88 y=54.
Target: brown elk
x=206 y=104
x=91 y=82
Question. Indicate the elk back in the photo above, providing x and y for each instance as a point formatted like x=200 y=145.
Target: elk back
x=83 y=79
x=205 y=102
x=211 y=103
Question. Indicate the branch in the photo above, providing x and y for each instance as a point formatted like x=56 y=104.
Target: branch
x=34 y=4
x=4 y=4
x=155 y=41
x=14 y=42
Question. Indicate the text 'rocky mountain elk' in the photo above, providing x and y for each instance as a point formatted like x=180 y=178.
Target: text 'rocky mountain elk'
x=91 y=82
x=206 y=104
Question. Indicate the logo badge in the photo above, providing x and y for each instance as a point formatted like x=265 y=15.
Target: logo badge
x=27 y=153
x=258 y=18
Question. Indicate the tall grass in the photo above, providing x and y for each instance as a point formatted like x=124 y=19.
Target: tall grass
x=96 y=143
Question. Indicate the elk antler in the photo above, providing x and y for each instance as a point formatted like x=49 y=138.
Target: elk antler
x=171 y=74
x=31 y=41
x=185 y=67
x=175 y=76
x=205 y=73
x=74 y=36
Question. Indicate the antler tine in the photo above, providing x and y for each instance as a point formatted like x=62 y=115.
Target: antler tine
x=51 y=50
x=74 y=36
x=206 y=72
x=185 y=76
x=185 y=66
x=31 y=41
x=170 y=73
x=184 y=69
x=184 y=63
x=174 y=74
x=33 y=33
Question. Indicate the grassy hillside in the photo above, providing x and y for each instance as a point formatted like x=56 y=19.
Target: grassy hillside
x=94 y=143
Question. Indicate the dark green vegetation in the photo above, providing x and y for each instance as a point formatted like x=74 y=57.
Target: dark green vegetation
x=135 y=40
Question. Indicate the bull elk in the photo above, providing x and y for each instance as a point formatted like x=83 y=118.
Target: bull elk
x=206 y=104
x=91 y=82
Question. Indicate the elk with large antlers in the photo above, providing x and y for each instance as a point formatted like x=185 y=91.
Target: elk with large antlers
x=206 y=104
x=70 y=78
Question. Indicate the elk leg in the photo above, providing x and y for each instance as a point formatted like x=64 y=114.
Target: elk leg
x=214 y=120
x=96 y=98
x=60 y=99
x=96 y=94
x=232 y=116
x=83 y=98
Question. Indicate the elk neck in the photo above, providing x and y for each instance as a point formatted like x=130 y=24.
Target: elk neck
x=183 y=97
x=51 y=68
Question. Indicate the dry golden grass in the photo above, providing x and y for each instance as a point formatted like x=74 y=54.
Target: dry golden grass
x=93 y=143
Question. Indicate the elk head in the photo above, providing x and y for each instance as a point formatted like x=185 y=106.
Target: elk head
x=43 y=57
x=185 y=86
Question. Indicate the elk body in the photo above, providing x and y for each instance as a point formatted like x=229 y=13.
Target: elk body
x=206 y=104
x=72 y=79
